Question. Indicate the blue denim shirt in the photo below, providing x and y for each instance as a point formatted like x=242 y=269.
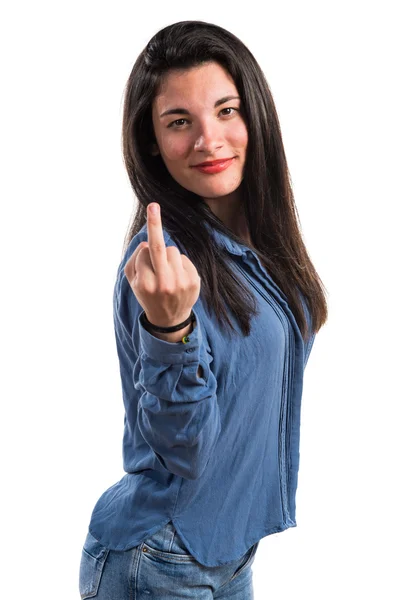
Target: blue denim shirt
x=218 y=455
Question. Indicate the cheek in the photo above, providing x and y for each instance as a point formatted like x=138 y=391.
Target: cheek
x=174 y=147
x=239 y=136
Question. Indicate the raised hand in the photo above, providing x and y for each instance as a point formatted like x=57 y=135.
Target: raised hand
x=165 y=282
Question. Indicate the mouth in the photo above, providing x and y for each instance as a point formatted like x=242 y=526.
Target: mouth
x=210 y=163
x=214 y=166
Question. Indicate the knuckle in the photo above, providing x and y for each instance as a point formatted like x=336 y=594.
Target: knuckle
x=147 y=290
x=187 y=286
x=157 y=246
x=194 y=285
x=143 y=286
x=139 y=248
x=167 y=289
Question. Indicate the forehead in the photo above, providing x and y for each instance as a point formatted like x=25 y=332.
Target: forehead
x=207 y=82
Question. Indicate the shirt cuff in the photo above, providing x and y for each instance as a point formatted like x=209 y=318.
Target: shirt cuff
x=172 y=353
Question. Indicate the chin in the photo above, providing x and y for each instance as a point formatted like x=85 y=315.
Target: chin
x=216 y=191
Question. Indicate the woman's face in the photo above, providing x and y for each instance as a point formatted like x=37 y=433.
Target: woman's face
x=196 y=119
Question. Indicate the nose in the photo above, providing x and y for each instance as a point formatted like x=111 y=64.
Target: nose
x=209 y=138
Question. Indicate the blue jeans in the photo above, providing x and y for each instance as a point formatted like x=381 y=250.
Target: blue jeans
x=160 y=568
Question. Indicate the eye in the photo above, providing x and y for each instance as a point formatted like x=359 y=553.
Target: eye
x=175 y=124
x=230 y=108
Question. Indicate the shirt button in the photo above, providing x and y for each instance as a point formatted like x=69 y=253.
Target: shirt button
x=190 y=350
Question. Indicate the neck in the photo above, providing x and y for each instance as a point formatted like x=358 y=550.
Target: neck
x=229 y=210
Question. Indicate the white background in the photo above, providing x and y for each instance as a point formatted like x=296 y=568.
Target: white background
x=65 y=208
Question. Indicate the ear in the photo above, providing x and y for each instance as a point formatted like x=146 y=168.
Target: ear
x=154 y=151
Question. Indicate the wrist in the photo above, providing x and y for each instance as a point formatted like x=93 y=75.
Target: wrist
x=155 y=321
x=175 y=336
x=178 y=329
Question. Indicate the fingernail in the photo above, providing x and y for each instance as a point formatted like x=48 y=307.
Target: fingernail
x=154 y=209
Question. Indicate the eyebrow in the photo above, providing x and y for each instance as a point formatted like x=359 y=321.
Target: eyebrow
x=184 y=111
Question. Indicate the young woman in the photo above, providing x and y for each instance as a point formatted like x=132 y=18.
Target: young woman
x=216 y=307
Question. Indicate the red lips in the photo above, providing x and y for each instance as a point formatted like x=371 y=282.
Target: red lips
x=209 y=163
x=214 y=166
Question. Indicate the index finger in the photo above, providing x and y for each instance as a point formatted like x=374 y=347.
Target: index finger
x=155 y=238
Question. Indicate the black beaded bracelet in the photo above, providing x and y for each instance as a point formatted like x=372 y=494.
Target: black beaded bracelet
x=147 y=325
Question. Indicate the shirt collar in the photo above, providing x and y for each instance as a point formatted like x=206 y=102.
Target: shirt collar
x=226 y=242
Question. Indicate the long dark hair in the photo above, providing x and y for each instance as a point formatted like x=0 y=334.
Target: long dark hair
x=266 y=192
